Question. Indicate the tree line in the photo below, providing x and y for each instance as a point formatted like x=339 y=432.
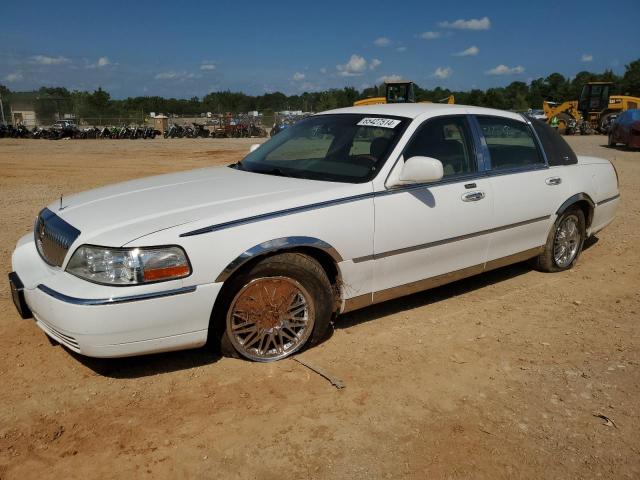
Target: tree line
x=50 y=101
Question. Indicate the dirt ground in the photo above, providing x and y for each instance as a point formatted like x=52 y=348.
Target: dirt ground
x=498 y=376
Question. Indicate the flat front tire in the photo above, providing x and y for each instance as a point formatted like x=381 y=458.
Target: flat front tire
x=275 y=308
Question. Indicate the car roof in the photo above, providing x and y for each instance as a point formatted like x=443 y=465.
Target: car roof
x=415 y=110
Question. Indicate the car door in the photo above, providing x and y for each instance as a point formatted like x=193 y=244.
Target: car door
x=431 y=230
x=526 y=192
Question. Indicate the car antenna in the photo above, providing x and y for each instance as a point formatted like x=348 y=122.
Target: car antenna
x=60 y=202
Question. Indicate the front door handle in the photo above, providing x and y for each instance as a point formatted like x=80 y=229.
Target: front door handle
x=473 y=196
x=553 y=181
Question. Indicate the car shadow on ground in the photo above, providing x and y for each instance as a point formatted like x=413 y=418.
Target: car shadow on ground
x=149 y=365
x=159 y=363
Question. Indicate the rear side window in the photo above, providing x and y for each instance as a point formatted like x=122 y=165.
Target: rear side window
x=446 y=139
x=511 y=143
x=555 y=147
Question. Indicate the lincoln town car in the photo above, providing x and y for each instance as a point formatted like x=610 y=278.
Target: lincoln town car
x=345 y=209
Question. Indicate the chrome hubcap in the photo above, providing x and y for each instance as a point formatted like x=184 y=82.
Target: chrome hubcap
x=566 y=242
x=270 y=318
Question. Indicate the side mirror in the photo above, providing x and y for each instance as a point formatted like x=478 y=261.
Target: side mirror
x=254 y=147
x=419 y=170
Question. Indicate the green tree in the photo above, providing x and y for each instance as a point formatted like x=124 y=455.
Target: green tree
x=630 y=83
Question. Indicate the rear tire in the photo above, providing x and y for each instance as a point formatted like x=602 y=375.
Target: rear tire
x=563 y=124
x=274 y=309
x=564 y=242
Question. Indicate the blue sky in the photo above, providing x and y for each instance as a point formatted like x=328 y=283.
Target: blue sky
x=182 y=49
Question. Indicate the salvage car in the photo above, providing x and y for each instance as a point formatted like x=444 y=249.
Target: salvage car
x=625 y=129
x=343 y=210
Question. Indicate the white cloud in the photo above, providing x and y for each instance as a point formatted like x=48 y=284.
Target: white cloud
x=586 y=58
x=101 y=63
x=308 y=87
x=354 y=67
x=442 y=72
x=382 y=42
x=323 y=70
x=430 y=35
x=401 y=49
x=299 y=76
x=389 y=78
x=172 y=75
x=375 y=63
x=504 y=70
x=469 y=52
x=208 y=66
x=472 y=24
x=44 y=60
x=14 y=77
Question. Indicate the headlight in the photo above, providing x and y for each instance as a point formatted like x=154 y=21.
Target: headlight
x=128 y=266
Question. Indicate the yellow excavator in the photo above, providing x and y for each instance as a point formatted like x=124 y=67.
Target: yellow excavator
x=398 y=91
x=592 y=112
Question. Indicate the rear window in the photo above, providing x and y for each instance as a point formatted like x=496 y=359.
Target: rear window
x=511 y=144
x=555 y=147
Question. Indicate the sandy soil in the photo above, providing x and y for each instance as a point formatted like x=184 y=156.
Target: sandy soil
x=498 y=376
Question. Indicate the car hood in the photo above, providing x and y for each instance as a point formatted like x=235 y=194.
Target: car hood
x=119 y=214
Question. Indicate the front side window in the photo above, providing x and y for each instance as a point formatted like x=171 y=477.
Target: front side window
x=447 y=139
x=340 y=148
x=510 y=142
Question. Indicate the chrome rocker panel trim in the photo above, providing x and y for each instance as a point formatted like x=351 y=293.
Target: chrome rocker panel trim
x=448 y=240
x=368 y=299
x=115 y=300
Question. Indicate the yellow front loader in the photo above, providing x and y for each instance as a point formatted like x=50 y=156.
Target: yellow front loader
x=592 y=112
x=400 y=91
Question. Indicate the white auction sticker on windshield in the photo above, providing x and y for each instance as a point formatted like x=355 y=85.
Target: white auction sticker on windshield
x=379 y=122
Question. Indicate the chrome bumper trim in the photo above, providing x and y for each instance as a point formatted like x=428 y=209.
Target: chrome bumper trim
x=115 y=300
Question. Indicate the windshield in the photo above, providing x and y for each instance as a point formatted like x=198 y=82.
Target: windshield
x=339 y=148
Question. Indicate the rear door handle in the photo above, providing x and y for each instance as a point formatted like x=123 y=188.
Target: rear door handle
x=472 y=196
x=553 y=181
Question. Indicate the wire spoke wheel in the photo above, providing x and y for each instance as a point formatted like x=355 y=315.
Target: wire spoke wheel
x=566 y=242
x=270 y=318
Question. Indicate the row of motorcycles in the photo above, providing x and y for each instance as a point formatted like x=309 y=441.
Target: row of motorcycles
x=196 y=130
x=186 y=131
x=65 y=130
x=70 y=131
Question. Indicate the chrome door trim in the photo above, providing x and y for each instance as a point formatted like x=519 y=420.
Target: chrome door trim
x=448 y=240
x=114 y=300
x=368 y=299
x=537 y=138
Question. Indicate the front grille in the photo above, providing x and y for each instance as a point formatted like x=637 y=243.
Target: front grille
x=53 y=237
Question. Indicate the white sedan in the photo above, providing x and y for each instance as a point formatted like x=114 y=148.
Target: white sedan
x=346 y=209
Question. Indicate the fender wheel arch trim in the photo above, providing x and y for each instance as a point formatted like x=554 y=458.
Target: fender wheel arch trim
x=278 y=245
x=572 y=200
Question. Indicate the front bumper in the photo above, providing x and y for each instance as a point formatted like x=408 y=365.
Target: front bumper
x=101 y=321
